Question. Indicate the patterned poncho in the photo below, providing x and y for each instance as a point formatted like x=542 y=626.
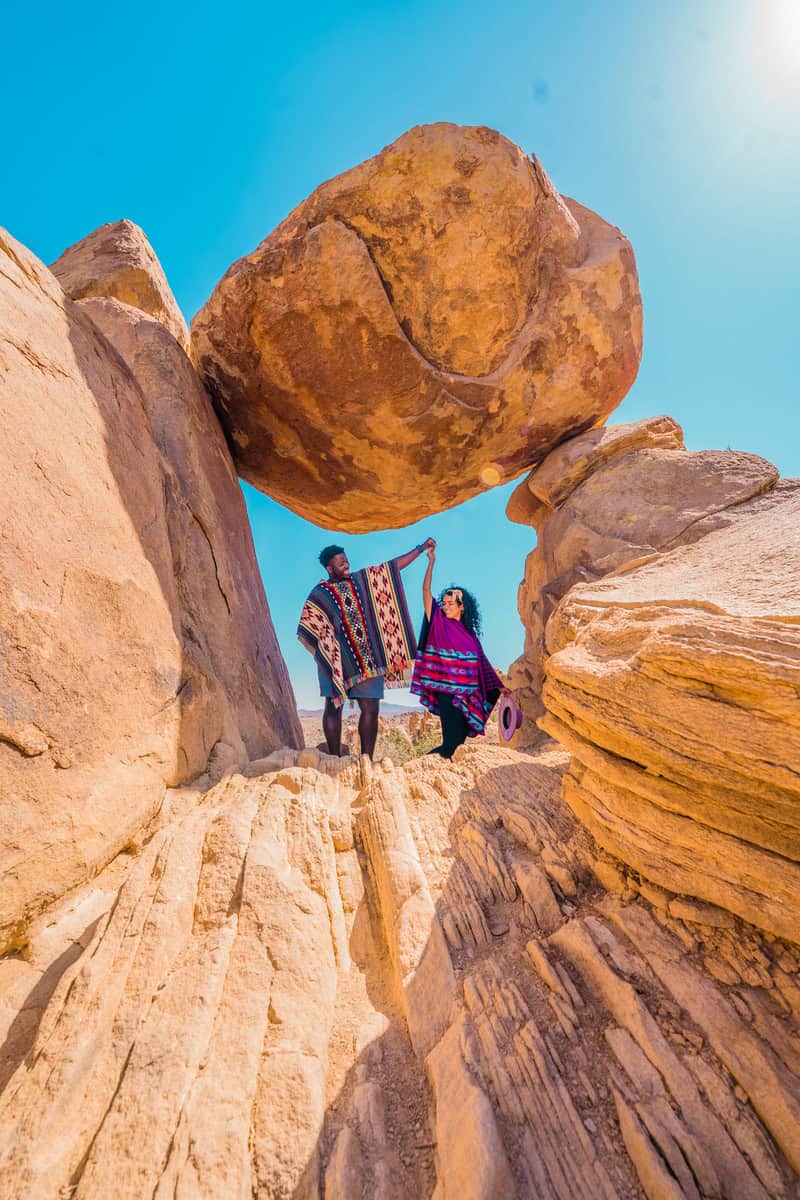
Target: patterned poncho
x=359 y=628
x=451 y=660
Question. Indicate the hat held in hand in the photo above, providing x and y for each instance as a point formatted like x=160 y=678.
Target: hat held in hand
x=509 y=716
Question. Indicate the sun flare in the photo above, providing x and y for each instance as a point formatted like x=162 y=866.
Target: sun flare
x=783 y=25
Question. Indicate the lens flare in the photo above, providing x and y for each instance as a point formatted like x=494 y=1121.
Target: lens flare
x=782 y=25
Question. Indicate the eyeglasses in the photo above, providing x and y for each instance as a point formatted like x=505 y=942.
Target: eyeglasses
x=456 y=594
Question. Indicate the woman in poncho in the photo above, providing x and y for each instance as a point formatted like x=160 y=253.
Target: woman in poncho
x=452 y=676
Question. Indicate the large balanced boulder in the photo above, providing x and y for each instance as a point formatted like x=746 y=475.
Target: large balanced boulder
x=674 y=686
x=605 y=500
x=421 y=327
x=125 y=568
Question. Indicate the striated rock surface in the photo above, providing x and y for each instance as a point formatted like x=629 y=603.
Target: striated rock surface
x=117 y=261
x=675 y=687
x=112 y=614
x=423 y=326
x=604 y=500
x=319 y=980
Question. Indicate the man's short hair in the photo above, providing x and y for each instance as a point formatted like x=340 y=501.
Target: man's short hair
x=328 y=553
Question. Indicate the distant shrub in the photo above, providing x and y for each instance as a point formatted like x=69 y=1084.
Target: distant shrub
x=396 y=745
x=426 y=741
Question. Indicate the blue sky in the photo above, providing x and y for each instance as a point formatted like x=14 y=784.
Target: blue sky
x=206 y=124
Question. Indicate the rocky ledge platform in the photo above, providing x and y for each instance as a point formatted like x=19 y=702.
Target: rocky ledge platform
x=315 y=976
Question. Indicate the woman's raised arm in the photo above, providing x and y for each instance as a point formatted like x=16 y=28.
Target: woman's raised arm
x=427 y=594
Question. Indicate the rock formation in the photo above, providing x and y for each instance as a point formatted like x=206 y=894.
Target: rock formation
x=233 y=967
x=675 y=686
x=118 y=262
x=410 y=982
x=225 y=622
x=136 y=635
x=605 y=500
x=424 y=326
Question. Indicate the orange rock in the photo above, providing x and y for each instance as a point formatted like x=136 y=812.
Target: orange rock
x=610 y=498
x=420 y=328
x=225 y=620
x=549 y=484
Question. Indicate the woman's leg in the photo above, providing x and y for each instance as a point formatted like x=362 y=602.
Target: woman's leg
x=454 y=726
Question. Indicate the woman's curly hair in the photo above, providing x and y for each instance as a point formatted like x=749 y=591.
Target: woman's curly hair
x=471 y=617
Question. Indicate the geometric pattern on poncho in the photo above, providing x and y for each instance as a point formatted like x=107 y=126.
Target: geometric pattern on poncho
x=359 y=628
x=463 y=672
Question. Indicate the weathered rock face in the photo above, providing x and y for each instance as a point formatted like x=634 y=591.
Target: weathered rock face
x=675 y=688
x=224 y=618
x=606 y=499
x=558 y=475
x=117 y=261
x=427 y=981
x=424 y=326
x=112 y=618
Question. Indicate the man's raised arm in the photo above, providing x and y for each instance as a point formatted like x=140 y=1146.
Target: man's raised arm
x=404 y=559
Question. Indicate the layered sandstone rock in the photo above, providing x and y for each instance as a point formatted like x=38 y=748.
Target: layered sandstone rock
x=229 y=1023
x=117 y=261
x=424 y=326
x=675 y=688
x=113 y=614
x=605 y=500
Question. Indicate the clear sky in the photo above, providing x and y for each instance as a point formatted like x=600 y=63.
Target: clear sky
x=678 y=120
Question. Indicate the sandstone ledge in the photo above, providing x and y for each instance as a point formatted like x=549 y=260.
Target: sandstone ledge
x=675 y=687
x=609 y=499
x=582 y=1035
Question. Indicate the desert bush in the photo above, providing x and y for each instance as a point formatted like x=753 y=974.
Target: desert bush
x=426 y=740
x=395 y=744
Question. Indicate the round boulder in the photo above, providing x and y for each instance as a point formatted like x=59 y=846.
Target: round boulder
x=424 y=326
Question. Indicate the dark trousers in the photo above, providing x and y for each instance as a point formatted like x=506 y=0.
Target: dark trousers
x=454 y=726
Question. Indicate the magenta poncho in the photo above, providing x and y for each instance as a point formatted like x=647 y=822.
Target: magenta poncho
x=451 y=659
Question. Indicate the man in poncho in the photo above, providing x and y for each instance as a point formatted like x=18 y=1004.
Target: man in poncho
x=359 y=631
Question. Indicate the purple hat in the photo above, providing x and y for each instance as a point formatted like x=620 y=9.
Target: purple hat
x=509 y=716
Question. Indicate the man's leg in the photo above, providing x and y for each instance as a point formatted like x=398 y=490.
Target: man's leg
x=368 y=725
x=332 y=726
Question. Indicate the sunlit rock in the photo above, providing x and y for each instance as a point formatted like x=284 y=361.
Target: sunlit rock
x=136 y=637
x=420 y=328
